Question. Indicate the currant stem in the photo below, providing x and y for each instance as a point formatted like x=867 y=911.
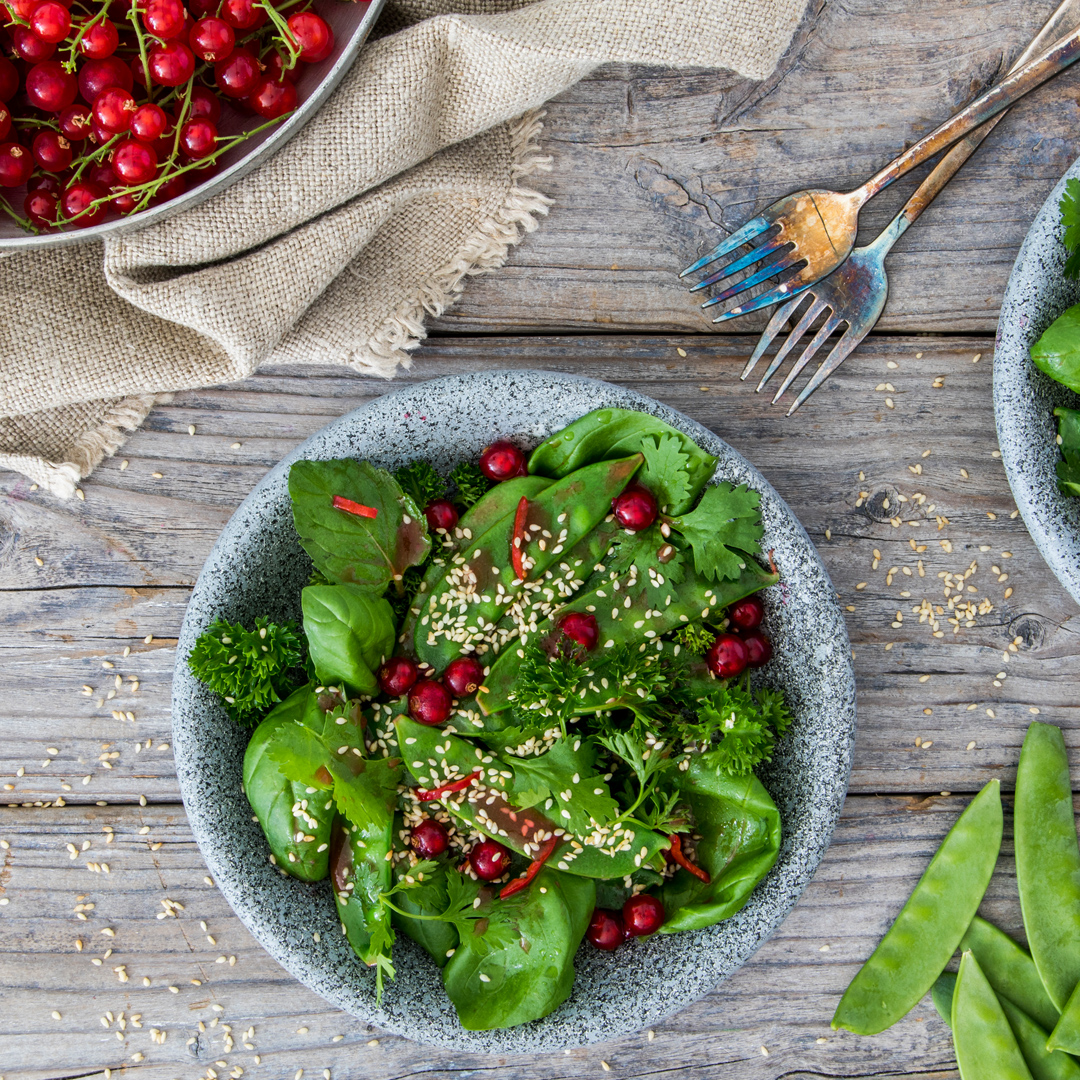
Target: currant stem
x=26 y=223
x=133 y=17
x=101 y=16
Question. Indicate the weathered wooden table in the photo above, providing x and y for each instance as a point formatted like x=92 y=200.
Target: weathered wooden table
x=893 y=468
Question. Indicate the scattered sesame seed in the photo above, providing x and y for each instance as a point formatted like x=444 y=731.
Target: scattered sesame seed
x=681 y=352
x=191 y=429
x=373 y=1042
x=605 y=1066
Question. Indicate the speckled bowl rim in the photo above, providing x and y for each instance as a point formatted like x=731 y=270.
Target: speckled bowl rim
x=448 y=420
x=1025 y=398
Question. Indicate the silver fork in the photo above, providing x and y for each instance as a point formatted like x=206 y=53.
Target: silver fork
x=855 y=293
x=808 y=234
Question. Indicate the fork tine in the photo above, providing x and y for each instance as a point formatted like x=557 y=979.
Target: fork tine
x=779 y=263
x=739 y=237
x=763 y=250
x=816 y=308
x=776 y=323
x=848 y=343
x=774 y=296
x=830 y=324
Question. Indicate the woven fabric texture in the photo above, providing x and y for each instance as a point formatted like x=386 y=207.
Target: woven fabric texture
x=407 y=180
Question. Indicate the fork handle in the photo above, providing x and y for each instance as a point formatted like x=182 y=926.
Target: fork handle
x=995 y=100
x=1066 y=12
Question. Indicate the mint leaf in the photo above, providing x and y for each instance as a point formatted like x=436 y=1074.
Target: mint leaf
x=723 y=529
x=665 y=472
x=370 y=552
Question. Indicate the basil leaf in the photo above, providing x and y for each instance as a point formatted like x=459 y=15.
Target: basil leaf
x=370 y=552
x=1057 y=352
x=350 y=632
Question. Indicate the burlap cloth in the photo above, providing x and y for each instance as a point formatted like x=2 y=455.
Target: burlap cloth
x=407 y=180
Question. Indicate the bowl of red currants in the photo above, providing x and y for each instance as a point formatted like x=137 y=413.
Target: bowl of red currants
x=118 y=113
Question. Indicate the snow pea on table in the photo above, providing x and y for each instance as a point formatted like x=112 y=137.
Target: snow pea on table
x=986 y=1048
x=919 y=944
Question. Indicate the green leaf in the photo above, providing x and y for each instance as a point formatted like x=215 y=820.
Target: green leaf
x=1057 y=352
x=365 y=790
x=694 y=638
x=370 y=552
x=251 y=670
x=630 y=747
x=421 y=483
x=746 y=723
x=641 y=551
x=722 y=530
x=299 y=753
x=1069 y=429
x=471 y=484
x=1069 y=207
x=664 y=473
x=350 y=632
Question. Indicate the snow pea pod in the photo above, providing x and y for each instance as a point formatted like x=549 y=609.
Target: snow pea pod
x=1048 y=860
x=1011 y=971
x=917 y=946
x=986 y=1048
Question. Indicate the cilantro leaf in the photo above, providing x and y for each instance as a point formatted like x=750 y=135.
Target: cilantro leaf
x=665 y=472
x=366 y=791
x=370 y=552
x=1069 y=208
x=421 y=483
x=725 y=524
x=299 y=754
x=641 y=551
x=252 y=670
x=631 y=748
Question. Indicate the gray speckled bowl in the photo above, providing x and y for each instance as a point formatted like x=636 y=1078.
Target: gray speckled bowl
x=1025 y=398
x=258 y=568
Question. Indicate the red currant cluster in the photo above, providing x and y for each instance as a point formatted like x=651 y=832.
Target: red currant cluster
x=110 y=107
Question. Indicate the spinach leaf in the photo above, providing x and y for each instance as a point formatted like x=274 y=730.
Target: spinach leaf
x=501 y=980
x=428 y=898
x=614 y=893
x=1069 y=208
x=1057 y=352
x=1068 y=470
x=291 y=808
x=370 y=552
x=350 y=632
x=739 y=826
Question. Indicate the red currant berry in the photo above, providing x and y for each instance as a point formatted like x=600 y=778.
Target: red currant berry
x=272 y=99
x=52 y=151
x=171 y=64
x=171 y=189
x=204 y=103
x=398 y=676
x=758 y=649
x=580 y=626
x=606 y=930
x=98 y=75
x=635 y=508
x=43 y=182
x=502 y=461
x=134 y=162
x=75 y=122
x=102 y=175
x=237 y=75
x=113 y=109
x=98 y=135
x=312 y=36
x=123 y=203
x=49 y=87
x=16 y=165
x=441 y=514
x=40 y=207
x=212 y=39
x=99 y=41
x=21 y=9
x=164 y=18
x=429 y=838
x=5 y=122
x=77 y=203
x=243 y=14
x=275 y=67
x=489 y=860
x=148 y=123
x=727 y=656
x=138 y=70
x=29 y=47
x=199 y=8
x=642 y=914
x=9 y=79
x=747 y=614
x=429 y=703
x=198 y=139
x=463 y=676
x=51 y=21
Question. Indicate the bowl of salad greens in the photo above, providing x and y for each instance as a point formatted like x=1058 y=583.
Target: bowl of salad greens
x=513 y=711
x=1037 y=381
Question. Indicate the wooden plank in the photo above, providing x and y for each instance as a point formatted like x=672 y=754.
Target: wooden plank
x=651 y=165
x=782 y=1000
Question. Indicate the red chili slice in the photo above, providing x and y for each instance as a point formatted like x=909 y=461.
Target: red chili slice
x=683 y=861
x=350 y=507
x=517 y=539
x=446 y=789
x=535 y=867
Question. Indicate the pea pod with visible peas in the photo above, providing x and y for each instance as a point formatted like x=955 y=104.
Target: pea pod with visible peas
x=926 y=933
x=1048 y=861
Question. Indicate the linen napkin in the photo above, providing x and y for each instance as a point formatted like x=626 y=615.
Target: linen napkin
x=409 y=179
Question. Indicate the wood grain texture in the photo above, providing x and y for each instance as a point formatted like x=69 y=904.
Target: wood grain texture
x=782 y=1000
x=651 y=168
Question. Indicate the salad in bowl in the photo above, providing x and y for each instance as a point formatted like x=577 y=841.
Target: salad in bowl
x=517 y=713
